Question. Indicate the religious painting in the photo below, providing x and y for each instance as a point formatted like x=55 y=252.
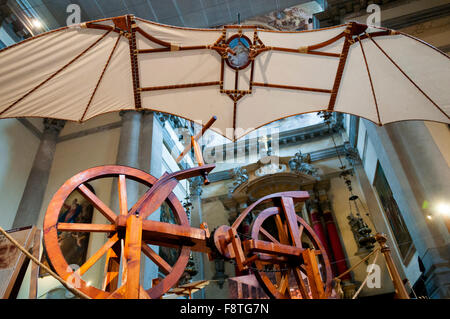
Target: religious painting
x=394 y=216
x=74 y=245
x=240 y=45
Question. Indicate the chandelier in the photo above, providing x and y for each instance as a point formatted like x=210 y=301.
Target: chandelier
x=361 y=231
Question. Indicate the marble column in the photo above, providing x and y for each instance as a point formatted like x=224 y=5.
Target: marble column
x=335 y=241
x=417 y=172
x=195 y=189
x=127 y=155
x=33 y=195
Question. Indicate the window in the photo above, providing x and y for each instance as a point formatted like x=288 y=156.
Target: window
x=394 y=216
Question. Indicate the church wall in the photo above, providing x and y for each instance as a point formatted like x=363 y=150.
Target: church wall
x=18 y=147
x=71 y=157
x=441 y=135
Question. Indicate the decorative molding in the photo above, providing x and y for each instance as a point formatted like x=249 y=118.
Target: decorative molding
x=90 y=131
x=53 y=126
x=315 y=156
x=418 y=17
x=337 y=11
x=33 y=129
x=286 y=138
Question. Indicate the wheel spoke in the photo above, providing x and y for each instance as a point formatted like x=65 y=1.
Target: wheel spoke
x=269 y=236
x=282 y=230
x=158 y=260
x=301 y=284
x=300 y=231
x=86 y=228
x=284 y=283
x=112 y=266
x=98 y=204
x=122 y=188
x=291 y=218
x=94 y=258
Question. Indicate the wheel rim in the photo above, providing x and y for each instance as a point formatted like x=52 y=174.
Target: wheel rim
x=53 y=250
x=277 y=284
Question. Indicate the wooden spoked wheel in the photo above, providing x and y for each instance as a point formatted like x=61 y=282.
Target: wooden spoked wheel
x=308 y=276
x=118 y=236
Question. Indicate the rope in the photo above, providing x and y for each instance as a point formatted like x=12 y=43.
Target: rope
x=367 y=277
x=357 y=264
x=337 y=279
x=76 y=292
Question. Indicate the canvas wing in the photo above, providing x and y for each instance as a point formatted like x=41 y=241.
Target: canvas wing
x=392 y=77
x=73 y=73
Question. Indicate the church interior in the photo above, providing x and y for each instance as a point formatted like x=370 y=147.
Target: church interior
x=368 y=186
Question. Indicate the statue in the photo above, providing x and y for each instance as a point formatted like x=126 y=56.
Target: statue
x=302 y=164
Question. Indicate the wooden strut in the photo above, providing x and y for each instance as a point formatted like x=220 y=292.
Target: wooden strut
x=340 y=70
x=101 y=76
x=131 y=24
x=370 y=80
x=220 y=47
x=393 y=272
x=410 y=80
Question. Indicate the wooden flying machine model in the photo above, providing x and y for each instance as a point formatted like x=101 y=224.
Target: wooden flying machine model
x=142 y=65
x=274 y=256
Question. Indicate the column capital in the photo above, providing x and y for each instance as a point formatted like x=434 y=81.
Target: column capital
x=195 y=185
x=53 y=126
x=147 y=112
x=126 y=114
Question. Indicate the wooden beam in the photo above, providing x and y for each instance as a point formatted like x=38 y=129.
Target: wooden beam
x=98 y=204
x=260 y=246
x=82 y=228
x=133 y=244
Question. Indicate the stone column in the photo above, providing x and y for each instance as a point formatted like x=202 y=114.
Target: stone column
x=195 y=189
x=127 y=155
x=150 y=160
x=151 y=144
x=417 y=172
x=33 y=194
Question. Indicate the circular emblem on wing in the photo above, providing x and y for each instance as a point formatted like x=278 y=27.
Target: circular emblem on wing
x=240 y=45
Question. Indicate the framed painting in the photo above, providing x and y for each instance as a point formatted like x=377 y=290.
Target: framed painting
x=74 y=245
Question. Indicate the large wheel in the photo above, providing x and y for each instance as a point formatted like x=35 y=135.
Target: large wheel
x=287 y=278
x=111 y=288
